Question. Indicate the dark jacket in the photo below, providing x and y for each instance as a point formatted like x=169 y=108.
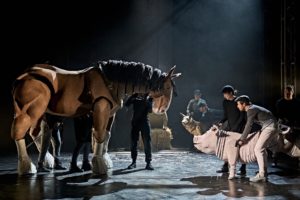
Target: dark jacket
x=193 y=108
x=235 y=118
x=141 y=107
x=54 y=121
x=288 y=111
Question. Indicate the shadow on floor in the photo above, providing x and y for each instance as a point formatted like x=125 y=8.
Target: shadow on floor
x=242 y=187
x=46 y=186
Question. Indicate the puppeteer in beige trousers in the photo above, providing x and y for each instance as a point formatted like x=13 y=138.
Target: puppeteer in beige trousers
x=260 y=148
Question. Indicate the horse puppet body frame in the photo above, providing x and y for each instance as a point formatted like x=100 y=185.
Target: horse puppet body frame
x=101 y=89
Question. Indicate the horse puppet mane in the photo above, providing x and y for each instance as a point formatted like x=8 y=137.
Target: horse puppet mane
x=134 y=73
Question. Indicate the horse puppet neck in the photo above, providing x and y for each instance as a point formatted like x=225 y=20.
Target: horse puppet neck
x=126 y=78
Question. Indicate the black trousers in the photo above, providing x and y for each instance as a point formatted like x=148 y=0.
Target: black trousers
x=142 y=126
x=56 y=143
x=56 y=140
x=83 y=130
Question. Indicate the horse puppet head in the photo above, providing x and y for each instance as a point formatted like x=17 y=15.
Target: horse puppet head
x=162 y=97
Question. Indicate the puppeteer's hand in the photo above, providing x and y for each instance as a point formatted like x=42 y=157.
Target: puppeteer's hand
x=240 y=142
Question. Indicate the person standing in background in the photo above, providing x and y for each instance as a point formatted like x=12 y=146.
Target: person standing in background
x=193 y=105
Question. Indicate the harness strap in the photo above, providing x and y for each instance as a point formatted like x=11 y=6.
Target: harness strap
x=37 y=77
x=44 y=80
x=102 y=97
x=221 y=140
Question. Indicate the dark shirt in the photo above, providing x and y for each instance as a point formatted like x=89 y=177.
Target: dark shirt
x=260 y=115
x=193 y=108
x=288 y=111
x=54 y=121
x=207 y=120
x=235 y=118
x=141 y=107
x=83 y=128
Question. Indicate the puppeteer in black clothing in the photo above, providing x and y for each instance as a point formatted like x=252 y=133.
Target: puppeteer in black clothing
x=234 y=118
x=287 y=113
x=287 y=106
x=206 y=117
x=83 y=132
x=142 y=105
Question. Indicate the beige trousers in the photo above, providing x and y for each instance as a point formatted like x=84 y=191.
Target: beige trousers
x=260 y=148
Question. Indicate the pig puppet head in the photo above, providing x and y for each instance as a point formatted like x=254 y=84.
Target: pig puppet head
x=207 y=143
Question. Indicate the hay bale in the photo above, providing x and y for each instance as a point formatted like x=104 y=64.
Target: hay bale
x=160 y=139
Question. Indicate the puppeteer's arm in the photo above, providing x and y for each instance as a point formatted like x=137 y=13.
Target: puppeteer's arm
x=130 y=100
x=189 y=109
x=249 y=124
x=149 y=104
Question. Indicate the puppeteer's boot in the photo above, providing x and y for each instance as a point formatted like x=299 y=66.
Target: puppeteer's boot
x=149 y=166
x=132 y=165
x=242 y=171
x=41 y=168
x=74 y=168
x=58 y=165
x=86 y=166
x=224 y=168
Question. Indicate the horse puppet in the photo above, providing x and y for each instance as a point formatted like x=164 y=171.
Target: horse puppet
x=100 y=89
x=223 y=145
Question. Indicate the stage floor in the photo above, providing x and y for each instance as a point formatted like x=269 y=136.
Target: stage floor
x=177 y=175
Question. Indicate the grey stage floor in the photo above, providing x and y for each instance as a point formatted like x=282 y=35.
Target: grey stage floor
x=177 y=175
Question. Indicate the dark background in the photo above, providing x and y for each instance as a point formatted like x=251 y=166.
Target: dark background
x=212 y=42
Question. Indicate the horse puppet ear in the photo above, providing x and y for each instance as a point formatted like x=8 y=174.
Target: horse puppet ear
x=171 y=73
x=175 y=75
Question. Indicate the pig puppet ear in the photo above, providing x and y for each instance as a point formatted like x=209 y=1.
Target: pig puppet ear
x=183 y=115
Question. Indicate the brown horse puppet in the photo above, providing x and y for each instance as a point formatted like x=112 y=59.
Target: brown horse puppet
x=101 y=89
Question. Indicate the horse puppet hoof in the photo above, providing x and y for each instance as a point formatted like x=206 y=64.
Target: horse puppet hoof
x=49 y=161
x=25 y=167
x=99 y=166
x=108 y=161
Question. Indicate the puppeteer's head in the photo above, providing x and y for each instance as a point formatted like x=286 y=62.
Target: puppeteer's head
x=289 y=92
x=243 y=102
x=197 y=94
x=203 y=107
x=228 y=92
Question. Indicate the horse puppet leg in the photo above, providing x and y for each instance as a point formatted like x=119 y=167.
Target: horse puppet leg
x=106 y=142
x=31 y=98
x=20 y=125
x=101 y=116
x=25 y=165
x=233 y=155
